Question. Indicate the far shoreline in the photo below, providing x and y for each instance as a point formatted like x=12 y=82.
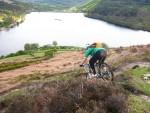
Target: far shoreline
x=17 y=23
x=117 y=24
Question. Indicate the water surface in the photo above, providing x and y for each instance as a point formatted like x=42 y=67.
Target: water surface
x=67 y=29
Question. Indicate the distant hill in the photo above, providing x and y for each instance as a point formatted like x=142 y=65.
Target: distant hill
x=129 y=13
x=88 y=6
x=15 y=7
x=11 y=13
x=62 y=3
x=9 y=5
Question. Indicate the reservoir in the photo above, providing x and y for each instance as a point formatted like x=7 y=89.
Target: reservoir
x=67 y=29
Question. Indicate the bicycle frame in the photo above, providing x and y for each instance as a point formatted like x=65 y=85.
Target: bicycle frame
x=88 y=69
x=98 y=66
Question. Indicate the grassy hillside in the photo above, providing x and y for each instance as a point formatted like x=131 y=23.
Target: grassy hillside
x=69 y=92
x=91 y=4
x=129 y=13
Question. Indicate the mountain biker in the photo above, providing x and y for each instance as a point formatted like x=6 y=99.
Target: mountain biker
x=97 y=52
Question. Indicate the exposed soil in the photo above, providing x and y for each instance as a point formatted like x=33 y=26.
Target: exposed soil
x=60 y=63
x=145 y=97
x=128 y=66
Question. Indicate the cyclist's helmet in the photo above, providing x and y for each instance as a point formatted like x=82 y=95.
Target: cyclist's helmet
x=96 y=45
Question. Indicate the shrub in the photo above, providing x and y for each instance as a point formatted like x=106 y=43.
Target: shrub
x=33 y=46
x=116 y=103
x=17 y=54
x=45 y=47
x=118 y=50
x=49 y=53
x=55 y=43
x=1 y=57
x=133 y=50
x=10 y=55
x=72 y=96
x=21 y=53
x=21 y=104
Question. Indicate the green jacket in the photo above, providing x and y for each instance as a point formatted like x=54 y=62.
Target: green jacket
x=92 y=51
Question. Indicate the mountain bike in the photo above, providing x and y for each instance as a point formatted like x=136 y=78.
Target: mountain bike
x=103 y=70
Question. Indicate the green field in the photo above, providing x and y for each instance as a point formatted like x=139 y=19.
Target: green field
x=134 y=80
x=137 y=105
x=28 y=57
x=89 y=5
x=137 y=79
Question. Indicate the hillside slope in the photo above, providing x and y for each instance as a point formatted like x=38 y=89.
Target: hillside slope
x=58 y=3
x=128 y=13
x=69 y=61
x=88 y=6
x=58 y=85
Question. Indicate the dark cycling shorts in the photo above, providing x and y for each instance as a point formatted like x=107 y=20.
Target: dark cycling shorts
x=99 y=55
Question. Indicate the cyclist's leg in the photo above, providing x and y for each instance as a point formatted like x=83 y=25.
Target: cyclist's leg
x=93 y=60
x=102 y=56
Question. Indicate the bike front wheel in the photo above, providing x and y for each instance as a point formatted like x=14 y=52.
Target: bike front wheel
x=106 y=72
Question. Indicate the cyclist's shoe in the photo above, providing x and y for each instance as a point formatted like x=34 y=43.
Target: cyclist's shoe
x=95 y=75
x=81 y=65
x=89 y=76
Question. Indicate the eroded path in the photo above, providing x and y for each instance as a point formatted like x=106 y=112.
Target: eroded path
x=60 y=63
x=128 y=66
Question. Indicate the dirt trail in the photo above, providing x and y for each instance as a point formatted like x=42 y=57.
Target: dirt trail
x=60 y=63
x=128 y=66
x=145 y=97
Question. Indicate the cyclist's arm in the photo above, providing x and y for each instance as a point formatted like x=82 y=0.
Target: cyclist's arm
x=84 y=61
x=87 y=54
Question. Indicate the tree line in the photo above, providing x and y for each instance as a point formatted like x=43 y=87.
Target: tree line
x=129 y=13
